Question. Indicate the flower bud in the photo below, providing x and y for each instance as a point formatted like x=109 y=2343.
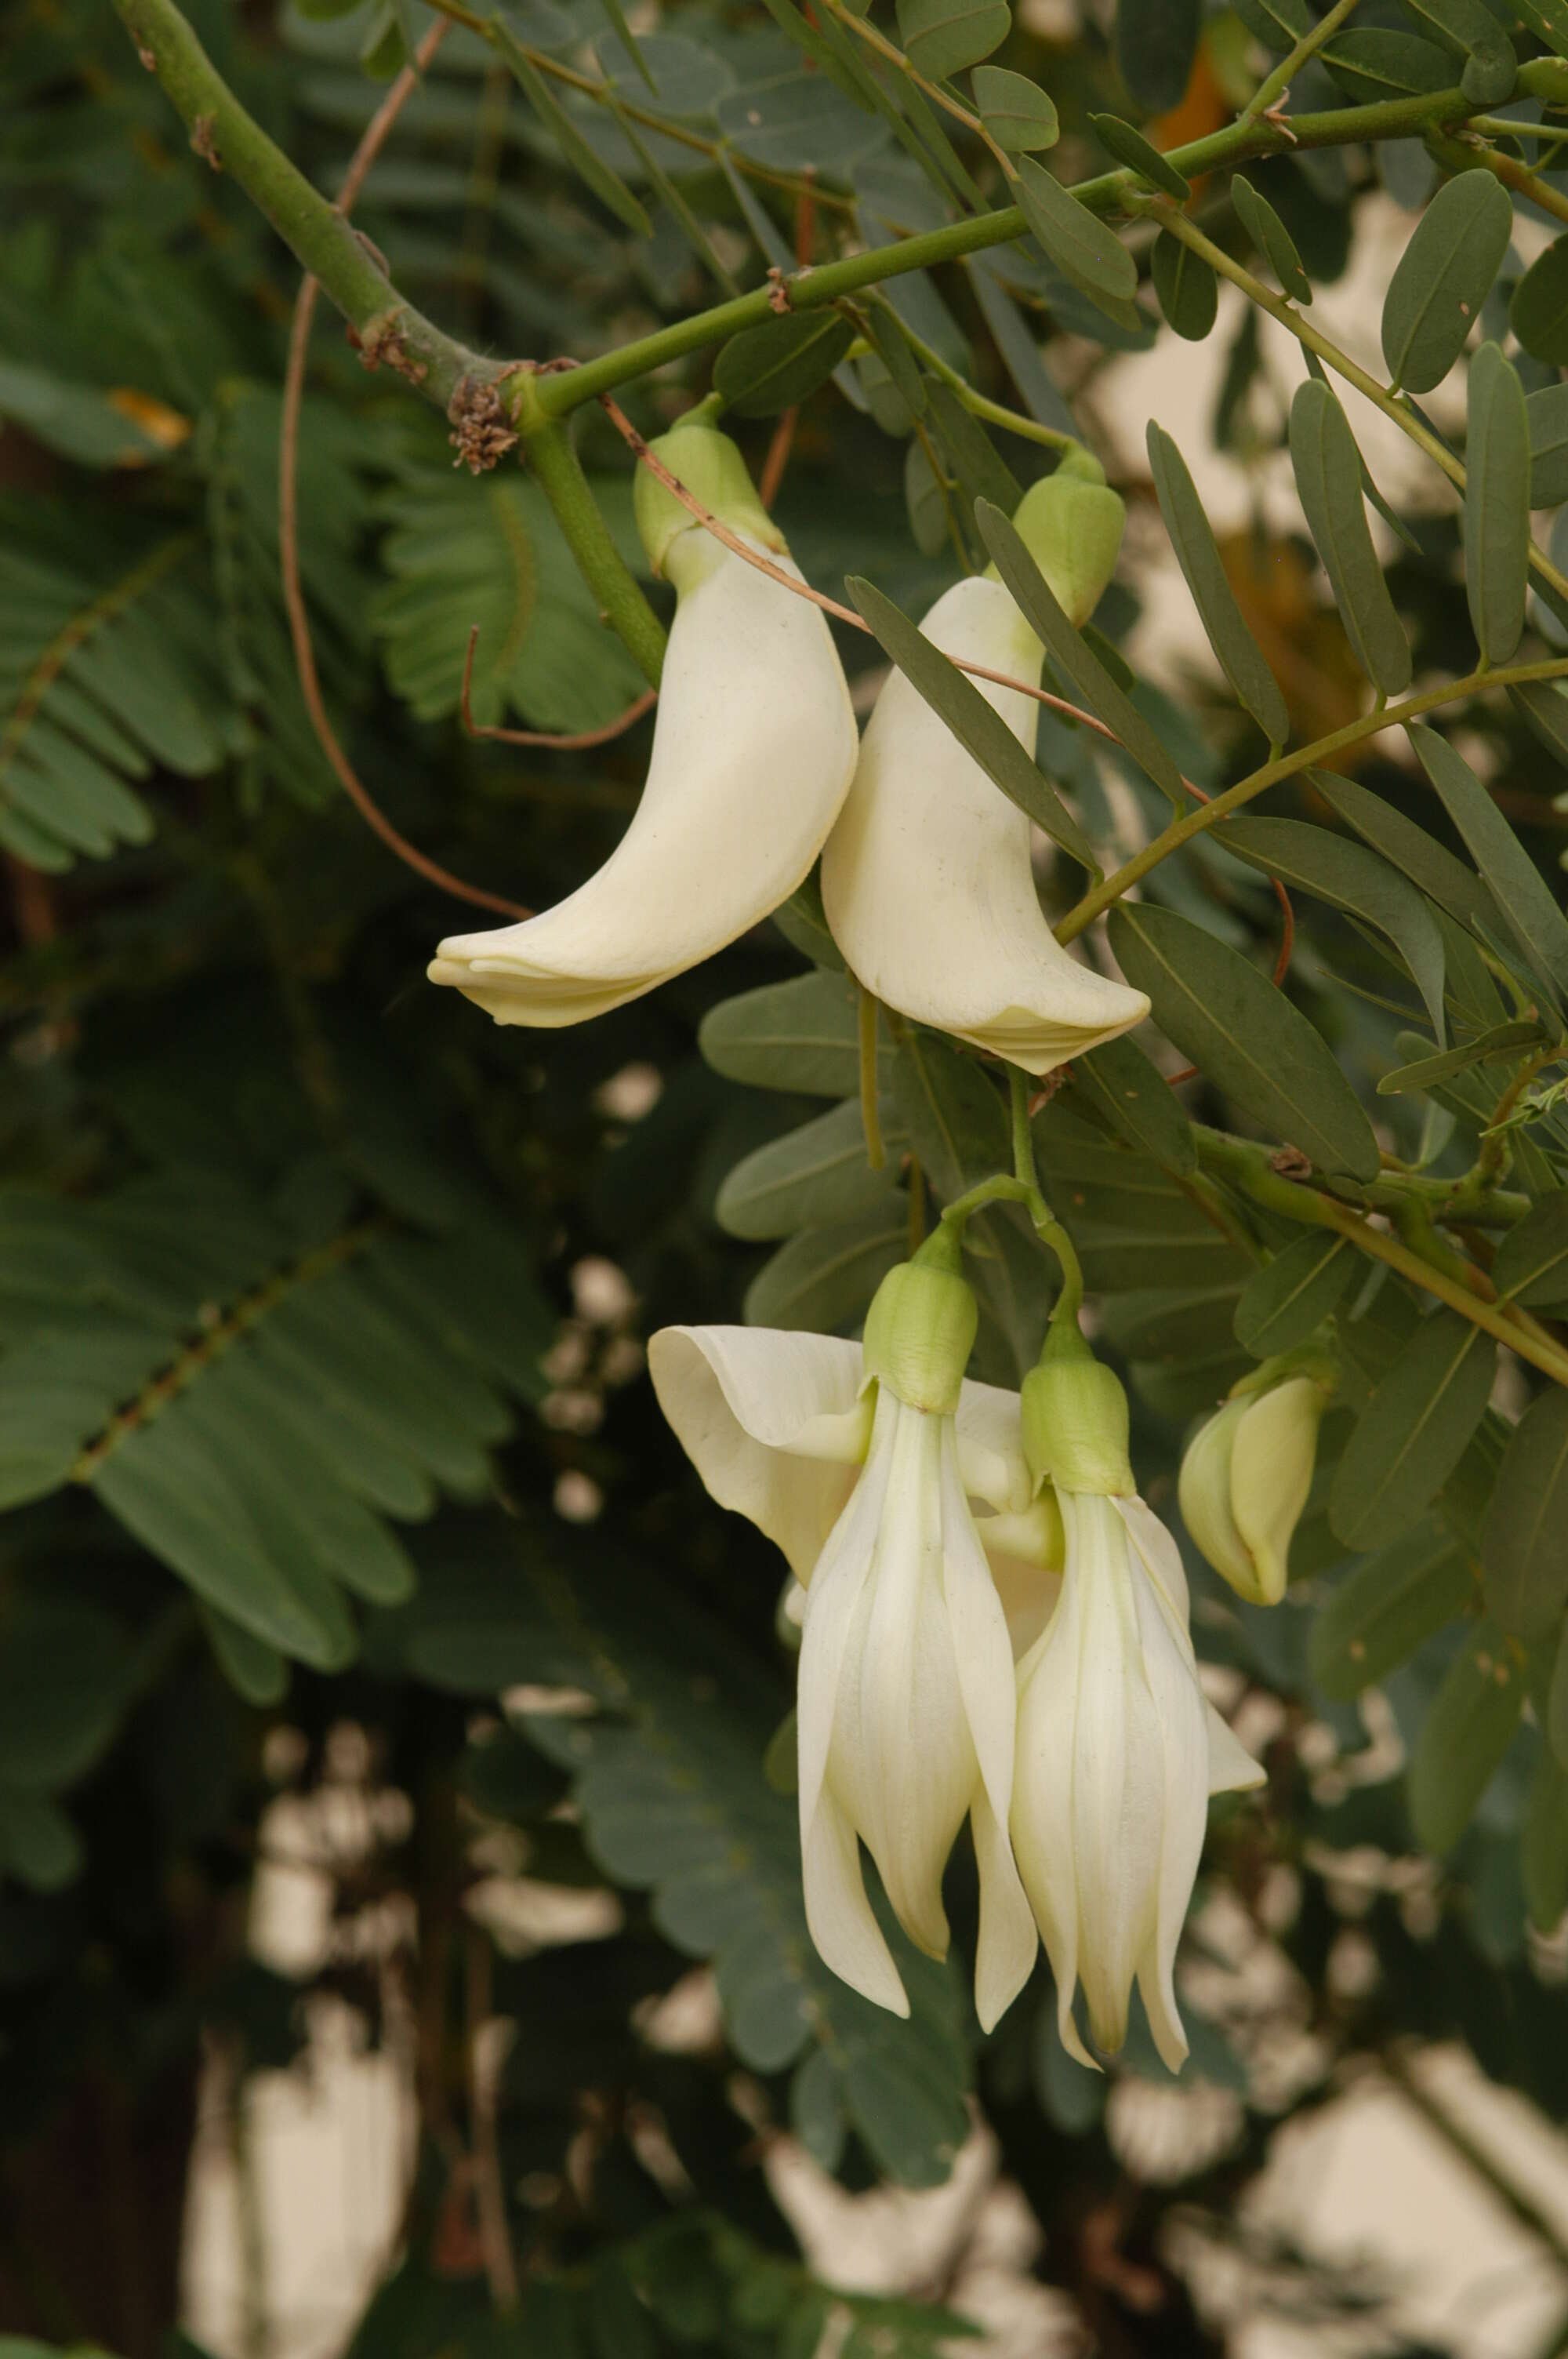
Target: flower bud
x=711 y=468
x=920 y=1329
x=1074 y=1419
x=1072 y=524
x=1246 y=1476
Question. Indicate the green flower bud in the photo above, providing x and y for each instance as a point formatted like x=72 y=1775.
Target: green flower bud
x=1074 y=1419
x=1072 y=524
x=711 y=468
x=920 y=1329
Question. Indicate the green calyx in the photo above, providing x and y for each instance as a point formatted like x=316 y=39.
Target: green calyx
x=1074 y=1419
x=1072 y=524
x=920 y=1329
x=711 y=468
x=1320 y=1367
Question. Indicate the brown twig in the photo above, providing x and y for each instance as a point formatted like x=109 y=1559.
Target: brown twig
x=365 y=155
x=575 y=742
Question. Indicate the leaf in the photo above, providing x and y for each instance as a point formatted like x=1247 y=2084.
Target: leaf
x=1083 y=247
x=972 y=719
x=95 y=427
x=1428 y=864
x=1543 y=1842
x=1156 y=42
x=803 y=1036
x=1017 y=112
x=1380 y=65
x=1129 y=147
x=1538 y=308
x=1412 y=1432
x=924 y=500
x=1497 y=506
x=1442 y=278
x=1070 y=656
x=1387 y=1608
x=66 y=1677
x=1544 y=710
x=1328 y=474
x=1502 y=1040
x=1186 y=288
x=589 y=166
x=770 y=369
x=983 y=475
x=1272 y=238
x=797 y=123
x=814 y=1175
x=1525 y=1544
x=1249 y=1040
x=1469 y=1725
x=1137 y=1102
x=628 y=43
x=1240 y=656
x=1517 y=885
x=1278 y=24
x=1284 y=1303
x=943 y=37
x=1468 y=29
x=1532 y=1265
x=1313 y=860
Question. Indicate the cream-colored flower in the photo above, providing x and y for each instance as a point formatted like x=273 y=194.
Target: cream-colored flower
x=754 y=745
x=1245 y=1478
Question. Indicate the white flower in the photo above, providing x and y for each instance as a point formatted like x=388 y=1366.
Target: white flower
x=754 y=745
x=906 y=1695
x=1245 y=1480
x=1118 y=1754
x=926 y=879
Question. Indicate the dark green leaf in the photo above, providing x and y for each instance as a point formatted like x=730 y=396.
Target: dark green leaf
x=1390 y=1605
x=1017 y=112
x=1525 y=1546
x=1516 y=883
x=1543 y=1842
x=1497 y=506
x=1501 y=1040
x=1469 y=1726
x=924 y=500
x=1538 y=311
x=770 y=369
x=1186 y=287
x=1129 y=147
x=982 y=472
x=803 y=1036
x=1546 y=410
x=1191 y=537
x=1272 y=238
x=1442 y=278
x=1278 y=24
x=1237 y=1028
x=1314 y=860
x=1531 y=1267
x=812 y=1176
x=1409 y=1437
x=1077 y=663
x=943 y=37
x=1083 y=247
x=590 y=168
x=1469 y=30
x=1328 y=474
x=632 y=48
x=1544 y=709
x=1137 y=1102
x=1285 y=1302
x=825 y=1278
x=1549 y=19
x=972 y=719
x=1428 y=864
x=1378 y=64
x=1156 y=42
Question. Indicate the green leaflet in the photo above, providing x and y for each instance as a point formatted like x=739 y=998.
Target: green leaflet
x=785 y=361
x=1284 y=1303
x=1129 y=147
x=1502 y=1040
x=1531 y=1267
x=803 y=1036
x=976 y=723
x=1546 y=412
x=1428 y=864
x=1075 y=660
x=1278 y=24
x=1525 y=1544
x=1083 y=247
x=825 y=1278
x=1413 y=1431
x=1313 y=860
x=591 y=169
x=1543 y=1842
x=1241 y=658
x=1270 y=235
x=1470 y=31
x=1538 y=310
x=1497 y=506
x=1386 y=1607
x=1017 y=112
x=1517 y=885
x=1381 y=64
x=1442 y=278
x=1156 y=42
x=1137 y=1102
x=814 y=1176
x=943 y=37
x=1470 y=1725
x=1250 y=1040
x=1186 y=288
x=983 y=473
x=1328 y=472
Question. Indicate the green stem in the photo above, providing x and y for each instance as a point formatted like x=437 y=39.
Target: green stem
x=1270 y=92
x=1461 y=156
x=1355 y=732
x=606 y=572
x=1047 y=1228
x=980 y=404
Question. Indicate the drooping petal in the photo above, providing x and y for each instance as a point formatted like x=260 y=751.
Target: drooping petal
x=926 y=877
x=991 y=1448
x=1231 y=1768
x=1040 y=1821
x=839 y=1915
x=758 y=1410
x=832 y=1606
x=1271 y=1474
x=1004 y=1952
x=755 y=747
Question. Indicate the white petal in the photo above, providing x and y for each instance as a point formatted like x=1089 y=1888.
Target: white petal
x=981 y=1648
x=991 y=1448
x=1004 y=1954
x=1155 y=1544
x=754 y=745
x=748 y=1405
x=838 y=1915
x=1184 y=1731
x=1203 y=1490
x=1040 y=1817
x=926 y=877
x=1270 y=1475
x=1231 y=1768
x=1028 y=1595
x=832 y=1604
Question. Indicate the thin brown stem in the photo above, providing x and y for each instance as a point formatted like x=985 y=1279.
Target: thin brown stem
x=574 y=741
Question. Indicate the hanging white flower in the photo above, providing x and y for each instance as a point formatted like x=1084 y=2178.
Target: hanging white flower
x=755 y=745
x=1246 y=1476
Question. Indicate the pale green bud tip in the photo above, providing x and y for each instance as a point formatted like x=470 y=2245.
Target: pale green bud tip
x=1072 y=527
x=711 y=468
x=920 y=1330
x=1075 y=1422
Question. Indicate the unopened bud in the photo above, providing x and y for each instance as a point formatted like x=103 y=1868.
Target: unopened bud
x=711 y=468
x=920 y=1329
x=1074 y=1419
x=1072 y=524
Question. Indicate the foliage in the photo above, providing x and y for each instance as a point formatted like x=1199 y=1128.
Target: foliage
x=315 y=1410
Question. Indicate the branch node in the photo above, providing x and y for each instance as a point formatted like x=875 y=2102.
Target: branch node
x=147 y=57
x=778 y=290
x=481 y=431
x=202 y=129
x=1290 y=1163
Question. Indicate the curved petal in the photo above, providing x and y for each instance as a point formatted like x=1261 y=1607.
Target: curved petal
x=1155 y=1545
x=1203 y=1490
x=1231 y=1768
x=1270 y=1475
x=1040 y=1821
x=837 y=1914
x=1028 y=1593
x=832 y=1606
x=990 y=1447
x=1004 y=1954
x=755 y=747
x=926 y=877
x=978 y=1625
x=1182 y=1725
x=752 y=1408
